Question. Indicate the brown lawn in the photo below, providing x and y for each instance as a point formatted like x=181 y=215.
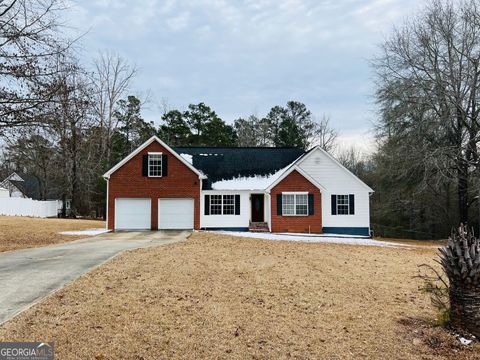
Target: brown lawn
x=221 y=297
x=25 y=232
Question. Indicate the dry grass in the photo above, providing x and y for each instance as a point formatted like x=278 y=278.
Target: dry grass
x=24 y=232
x=220 y=297
x=435 y=243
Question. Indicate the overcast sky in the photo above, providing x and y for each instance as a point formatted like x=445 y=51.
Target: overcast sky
x=243 y=57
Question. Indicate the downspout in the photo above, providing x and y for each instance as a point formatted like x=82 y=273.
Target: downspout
x=270 y=212
x=106 y=206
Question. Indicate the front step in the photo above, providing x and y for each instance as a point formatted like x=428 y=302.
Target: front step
x=258 y=227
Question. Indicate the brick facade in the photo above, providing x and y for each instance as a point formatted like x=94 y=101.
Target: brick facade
x=128 y=182
x=303 y=224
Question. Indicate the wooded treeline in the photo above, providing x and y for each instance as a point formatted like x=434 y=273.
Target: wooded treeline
x=67 y=123
x=425 y=171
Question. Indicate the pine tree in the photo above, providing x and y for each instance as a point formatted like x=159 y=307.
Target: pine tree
x=217 y=133
x=132 y=127
x=175 y=130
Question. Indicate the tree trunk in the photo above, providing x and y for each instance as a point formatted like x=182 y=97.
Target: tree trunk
x=462 y=190
x=465 y=308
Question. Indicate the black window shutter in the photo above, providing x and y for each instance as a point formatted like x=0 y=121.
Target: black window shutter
x=311 y=207
x=237 y=204
x=334 y=204
x=207 y=205
x=351 y=202
x=145 y=165
x=164 y=165
x=279 y=204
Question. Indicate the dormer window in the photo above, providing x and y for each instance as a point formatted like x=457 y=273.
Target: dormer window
x=154 y=164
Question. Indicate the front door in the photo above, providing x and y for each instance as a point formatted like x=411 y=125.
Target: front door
x=257 y=207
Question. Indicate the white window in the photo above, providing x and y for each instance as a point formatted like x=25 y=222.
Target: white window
x=295 y=204
x=216 y=204
x=222 y=204
x=343 y=205
x=228 y=204
x=154 y=165
x=301 y=204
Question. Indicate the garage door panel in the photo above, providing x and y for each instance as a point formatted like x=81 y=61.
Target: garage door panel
x=175 y=213
x=133 y=214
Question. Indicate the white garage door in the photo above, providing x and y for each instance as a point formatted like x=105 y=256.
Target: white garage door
x=133 y=214
x=175 y=214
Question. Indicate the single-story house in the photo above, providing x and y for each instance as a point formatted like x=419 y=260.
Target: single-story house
x=234 y=188
x=11 y=183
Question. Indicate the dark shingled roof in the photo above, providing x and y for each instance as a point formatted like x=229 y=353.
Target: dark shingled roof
x=223 y=163
x=30 y=187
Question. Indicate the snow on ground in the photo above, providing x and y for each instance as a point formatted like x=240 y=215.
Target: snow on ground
x=351 y=240
x=88 y=232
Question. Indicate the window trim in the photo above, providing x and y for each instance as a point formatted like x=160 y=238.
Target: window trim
x=161 y=164
x=222 y=204
x=295 y=194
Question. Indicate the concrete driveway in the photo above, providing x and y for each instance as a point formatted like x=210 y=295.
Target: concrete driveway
x=26 y=276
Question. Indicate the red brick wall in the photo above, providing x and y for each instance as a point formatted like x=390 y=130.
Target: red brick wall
x=296 y=182
x=128 y=182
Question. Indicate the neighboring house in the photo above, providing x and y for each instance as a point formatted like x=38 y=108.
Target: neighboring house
x=4 y=193
x=270 y=189
x=11 y=184
x=29 y=187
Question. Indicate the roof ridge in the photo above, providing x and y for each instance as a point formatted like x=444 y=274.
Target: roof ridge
x=239 y=147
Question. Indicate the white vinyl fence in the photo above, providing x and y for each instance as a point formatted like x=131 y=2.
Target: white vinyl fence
x=28 y=207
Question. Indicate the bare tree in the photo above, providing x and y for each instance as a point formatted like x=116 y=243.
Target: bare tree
x=112 y=78
x=71 y=122
x=428 y=89
x=324 y=135
x=30 y=42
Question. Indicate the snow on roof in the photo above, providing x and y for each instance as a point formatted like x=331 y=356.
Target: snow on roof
x=188 y=158
x=258 y=182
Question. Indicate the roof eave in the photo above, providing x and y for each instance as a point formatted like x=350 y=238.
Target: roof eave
x=143 y=146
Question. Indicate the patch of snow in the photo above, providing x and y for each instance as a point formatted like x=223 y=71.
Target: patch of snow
x=188 y=158
x=88 y=232
x=465 y=341
x=258 y=182
x=314 y=239
x=326 y=235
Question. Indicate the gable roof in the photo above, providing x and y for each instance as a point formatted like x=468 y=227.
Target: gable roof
x=288 y=171
x=355 y=177
x=241 y=168
x=30 y=186
x=143 y=146
x=226 y=163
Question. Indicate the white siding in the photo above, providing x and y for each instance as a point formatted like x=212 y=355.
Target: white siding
x=4 y=193
x=338 y=181
x=226 y=221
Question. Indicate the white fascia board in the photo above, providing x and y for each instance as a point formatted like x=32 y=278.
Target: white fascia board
x=143 y=146
x=302 y=172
